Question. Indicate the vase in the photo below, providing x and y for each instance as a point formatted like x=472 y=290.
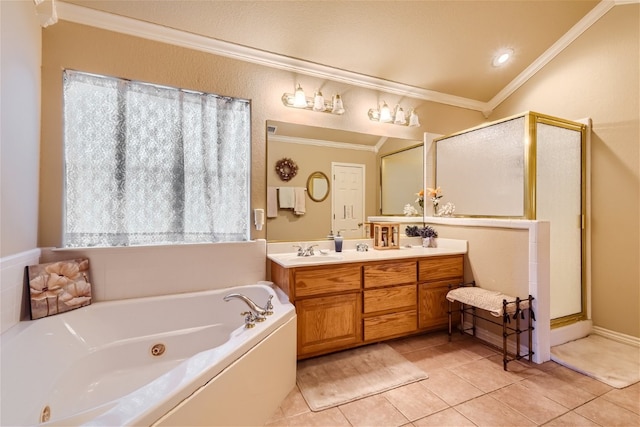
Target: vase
x=435 y=209
x=429 y=242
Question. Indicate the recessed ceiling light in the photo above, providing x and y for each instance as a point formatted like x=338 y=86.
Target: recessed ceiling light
x=502 y=57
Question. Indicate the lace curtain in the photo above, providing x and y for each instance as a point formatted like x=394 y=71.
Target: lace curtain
x=146 y=164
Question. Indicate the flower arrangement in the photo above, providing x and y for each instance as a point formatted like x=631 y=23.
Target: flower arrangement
x=424 y=232
x=409 y=210
x=435 y=194
x=420 y=199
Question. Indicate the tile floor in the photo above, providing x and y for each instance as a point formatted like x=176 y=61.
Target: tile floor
x=468 y=387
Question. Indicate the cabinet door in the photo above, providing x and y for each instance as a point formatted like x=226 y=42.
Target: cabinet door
x=433 y=306
x=328 y=323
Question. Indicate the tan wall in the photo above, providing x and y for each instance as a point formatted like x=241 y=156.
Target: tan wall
x=67 y=45
x=20 y=140
x=497 y=258
x=597 y=76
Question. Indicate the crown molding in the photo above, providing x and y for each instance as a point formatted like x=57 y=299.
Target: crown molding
x=137 y=28
x=108 y=21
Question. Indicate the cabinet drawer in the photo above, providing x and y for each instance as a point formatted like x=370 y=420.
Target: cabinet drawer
x=390 y=325
x=317 y=281
x=390 y=298
x=389 y=273
x=440 y=268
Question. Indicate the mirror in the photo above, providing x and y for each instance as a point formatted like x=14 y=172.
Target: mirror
x=401 y=177
x=318 y=186
x=318 y=150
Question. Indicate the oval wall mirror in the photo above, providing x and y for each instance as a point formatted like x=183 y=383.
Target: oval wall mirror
x=318 y=186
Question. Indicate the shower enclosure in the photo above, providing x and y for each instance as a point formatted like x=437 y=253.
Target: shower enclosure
x=528 y=166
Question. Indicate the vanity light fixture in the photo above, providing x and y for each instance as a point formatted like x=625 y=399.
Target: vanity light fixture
x=298 y=99
x=397 y=116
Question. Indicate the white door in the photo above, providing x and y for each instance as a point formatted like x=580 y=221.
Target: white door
x=348 y=199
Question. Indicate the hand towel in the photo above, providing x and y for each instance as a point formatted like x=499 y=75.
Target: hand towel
x=272 y=202
x=299 y=200
x=286 y=197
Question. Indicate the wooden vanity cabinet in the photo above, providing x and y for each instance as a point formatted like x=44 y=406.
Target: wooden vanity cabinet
x=434 y=277
x=340 y=306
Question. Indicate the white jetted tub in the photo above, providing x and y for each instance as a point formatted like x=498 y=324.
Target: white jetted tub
x=184 y=359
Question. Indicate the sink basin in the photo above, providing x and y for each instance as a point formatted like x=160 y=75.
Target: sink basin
x=293 y=259
x=314 y=258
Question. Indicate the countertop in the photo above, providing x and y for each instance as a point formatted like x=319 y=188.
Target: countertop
x=285 y=255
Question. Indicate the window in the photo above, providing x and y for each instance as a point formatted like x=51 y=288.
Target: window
x=147 y=164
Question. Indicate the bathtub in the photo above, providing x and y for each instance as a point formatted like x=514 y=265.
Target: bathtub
x=184 y=359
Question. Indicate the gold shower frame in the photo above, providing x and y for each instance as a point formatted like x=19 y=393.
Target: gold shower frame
x=531 y=119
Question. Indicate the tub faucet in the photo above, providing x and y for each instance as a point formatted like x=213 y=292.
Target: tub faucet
x=259 y=312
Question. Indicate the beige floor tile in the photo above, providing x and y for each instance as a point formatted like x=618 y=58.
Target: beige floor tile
x=485 y=375
x=606 y=413
x=486 y=411
x=628 y=397
x=405 y=345
x=373 y=411
x=548 y=366
x=558 y=390
x=415 y=401
x=277 y=415
x=579 y=380
x=328 y=418
x=450 y=387
x=439 y=357
x=523 y=367
x=571 y=419
x=294 y=403
x=529 y=403
x=447 y=418
x=476 y=348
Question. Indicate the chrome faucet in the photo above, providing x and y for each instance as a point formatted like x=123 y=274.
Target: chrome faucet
x=362 y=247
x=257 y=313
x=304 y=249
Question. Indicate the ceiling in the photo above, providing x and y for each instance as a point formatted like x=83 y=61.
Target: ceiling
x=425 y=48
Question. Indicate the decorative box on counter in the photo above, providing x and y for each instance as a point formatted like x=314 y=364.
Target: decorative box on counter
x=386 y=236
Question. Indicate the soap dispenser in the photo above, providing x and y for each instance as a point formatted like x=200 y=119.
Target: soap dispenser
x=338 y=241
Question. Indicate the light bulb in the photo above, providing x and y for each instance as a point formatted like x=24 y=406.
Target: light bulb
x=414 y=120
x=318 y=102
x=299 y=98
x=400 y=118
x=385 y=113
x=338 y=107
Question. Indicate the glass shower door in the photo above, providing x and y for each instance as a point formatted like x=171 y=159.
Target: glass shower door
x=559 y=200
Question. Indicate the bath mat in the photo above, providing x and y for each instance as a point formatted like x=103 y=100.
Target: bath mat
x=611 y=362
x=338 y=378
